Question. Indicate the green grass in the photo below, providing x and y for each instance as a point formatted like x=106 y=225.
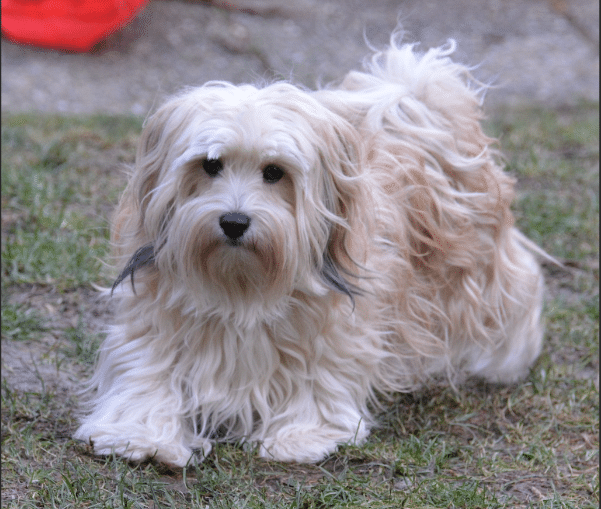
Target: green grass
x=56 y=191
x=555 y=156
x=534 y=444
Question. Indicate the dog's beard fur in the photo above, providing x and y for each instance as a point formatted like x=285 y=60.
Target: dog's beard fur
x=295 y=254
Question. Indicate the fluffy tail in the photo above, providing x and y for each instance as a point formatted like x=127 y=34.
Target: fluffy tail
x=433 y=96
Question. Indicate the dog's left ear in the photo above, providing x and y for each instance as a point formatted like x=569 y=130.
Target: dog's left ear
x=348 y=203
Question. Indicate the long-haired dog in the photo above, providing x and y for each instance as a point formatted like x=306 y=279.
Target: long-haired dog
x=293 y=255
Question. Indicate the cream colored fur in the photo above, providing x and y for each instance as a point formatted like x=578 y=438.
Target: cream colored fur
x=384 y=257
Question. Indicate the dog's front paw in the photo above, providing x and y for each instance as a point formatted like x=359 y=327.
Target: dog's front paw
x=307 y=444
x=138 y=448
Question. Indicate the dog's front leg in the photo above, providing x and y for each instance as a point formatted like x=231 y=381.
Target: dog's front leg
x=140 y=423
x=315 y=431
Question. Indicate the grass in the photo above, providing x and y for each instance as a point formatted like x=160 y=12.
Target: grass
x=534 y=444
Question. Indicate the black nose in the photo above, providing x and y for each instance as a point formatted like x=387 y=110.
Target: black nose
x=234 y=224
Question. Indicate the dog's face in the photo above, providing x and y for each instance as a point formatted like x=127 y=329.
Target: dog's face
x=245 y=194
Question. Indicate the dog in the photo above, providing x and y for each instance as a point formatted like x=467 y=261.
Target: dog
x=289 y=256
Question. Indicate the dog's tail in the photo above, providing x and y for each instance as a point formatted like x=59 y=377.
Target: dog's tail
x=425 y=94
x=432 y=78
x=429 y=100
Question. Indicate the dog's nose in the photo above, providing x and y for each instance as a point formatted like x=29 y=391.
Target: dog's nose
x=234 y=224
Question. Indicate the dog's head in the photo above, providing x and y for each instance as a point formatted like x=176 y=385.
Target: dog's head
x=241 y=193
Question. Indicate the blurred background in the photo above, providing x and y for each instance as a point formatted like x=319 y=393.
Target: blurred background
x=542 y=52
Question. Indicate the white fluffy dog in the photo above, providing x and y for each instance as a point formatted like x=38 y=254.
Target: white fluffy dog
x=296 y=254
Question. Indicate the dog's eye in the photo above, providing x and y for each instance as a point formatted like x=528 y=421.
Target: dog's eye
x=212 y=166
x=272 y=173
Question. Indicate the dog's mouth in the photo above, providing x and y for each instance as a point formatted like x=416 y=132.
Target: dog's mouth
x=237 y=249
x=242 y=245
x=234 y=243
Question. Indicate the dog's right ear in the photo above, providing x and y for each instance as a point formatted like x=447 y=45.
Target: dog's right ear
x=158 y=135
x=133 y=234
x=155 y=151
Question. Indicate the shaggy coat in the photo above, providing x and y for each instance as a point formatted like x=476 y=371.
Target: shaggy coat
x=294 y=254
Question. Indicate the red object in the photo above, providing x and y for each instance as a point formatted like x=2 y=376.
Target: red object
x=65 y=24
